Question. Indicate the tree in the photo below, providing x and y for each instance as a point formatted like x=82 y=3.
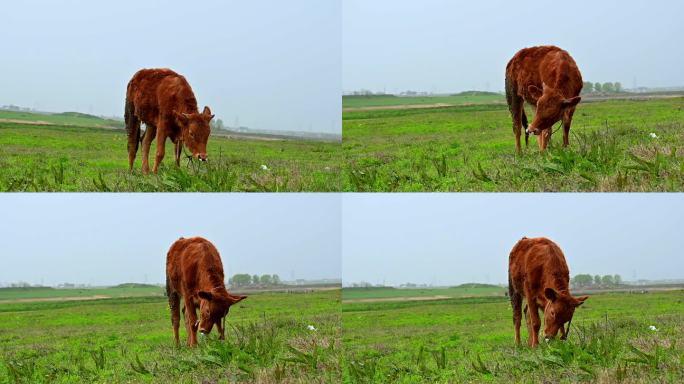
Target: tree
x=608 y=87
x=275 y=279
x=617 y=86
x=597 y=280
x=607 y=279
x=216 y=124
x=597 y=87
x=240 y=280
x=266 y=279
x=617 y=279
x=255 y=279
x=588 y=87
x=582 y=280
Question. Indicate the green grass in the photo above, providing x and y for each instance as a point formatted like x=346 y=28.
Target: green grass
x=472 y=148
x=71 y=158
x=390 y=100
x=471 y=340
x=388 y=292
x=131 y=340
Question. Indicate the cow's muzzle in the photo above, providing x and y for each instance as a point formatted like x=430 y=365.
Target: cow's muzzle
x=533 y=131
x=201 y=156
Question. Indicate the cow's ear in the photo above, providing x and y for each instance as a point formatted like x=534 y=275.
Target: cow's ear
x=205 y=295
x=180 y=117
x=535 y=91
x=550 y=294
x=571 y=102
x=580 y=300
x=236 y=299
x=207 y=113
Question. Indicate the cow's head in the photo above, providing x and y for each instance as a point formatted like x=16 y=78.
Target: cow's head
x=559 y=310
x=214 y=306
x=550 y=107
x=195 y=131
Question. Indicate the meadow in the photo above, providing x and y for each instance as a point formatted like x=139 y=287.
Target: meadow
x=615 y=145
x=130 y=339
x=472 y=340
x=74 y=152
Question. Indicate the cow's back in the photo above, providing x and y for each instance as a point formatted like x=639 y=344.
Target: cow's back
x=533 y=261
x=191 y=263
x=159 y=91
x=548 y=65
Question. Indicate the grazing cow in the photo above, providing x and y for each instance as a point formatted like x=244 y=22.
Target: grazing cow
x=164 y=101
x=548 y=78
x=194 y=271
x=537 y=271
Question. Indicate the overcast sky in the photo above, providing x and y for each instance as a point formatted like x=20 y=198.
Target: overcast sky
x=271 y=64
x=447 y=239
x=115 y=238
x=447 y=46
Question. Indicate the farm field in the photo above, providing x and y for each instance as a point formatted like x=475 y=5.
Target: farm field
x=118 y=340
x=472 y=148
x=471 y=340
x=84 y=153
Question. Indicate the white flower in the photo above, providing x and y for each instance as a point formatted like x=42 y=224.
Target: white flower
x=264 y=167
x=653 y=135
x=311 y=327
x=652 y=328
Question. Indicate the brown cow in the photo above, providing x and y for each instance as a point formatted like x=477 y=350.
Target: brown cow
x=537 y=271
x=164 y=101
x=548 y=78
x=195 y=272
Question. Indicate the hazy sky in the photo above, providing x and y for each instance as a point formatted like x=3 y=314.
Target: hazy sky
x=447 y=239
x=272 y=64
x=446 y=46
x=115 y=238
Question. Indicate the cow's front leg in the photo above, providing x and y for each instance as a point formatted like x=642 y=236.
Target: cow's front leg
x=567 y=120
x=534 y=322
x=161 y=142
x=191 y=321
x=221 y=330
x=178 y=149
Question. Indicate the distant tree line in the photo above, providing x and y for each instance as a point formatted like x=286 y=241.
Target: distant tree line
x=587 y=280
x=247 y=280
x=609 y=87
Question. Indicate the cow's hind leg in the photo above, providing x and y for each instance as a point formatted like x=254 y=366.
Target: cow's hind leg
x=147 y=142
x=516 y=303
x=174 y=305
x=133 y=131
x=517 y=114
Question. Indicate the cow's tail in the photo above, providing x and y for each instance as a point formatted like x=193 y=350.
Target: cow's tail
x=510 y=99
x=132 y=127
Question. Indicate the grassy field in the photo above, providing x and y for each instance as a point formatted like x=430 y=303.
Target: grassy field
x=83 y=156
x=471 y=340
x=472 y=148
x=130 y=340
x=380 y=293
x=371 y=101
